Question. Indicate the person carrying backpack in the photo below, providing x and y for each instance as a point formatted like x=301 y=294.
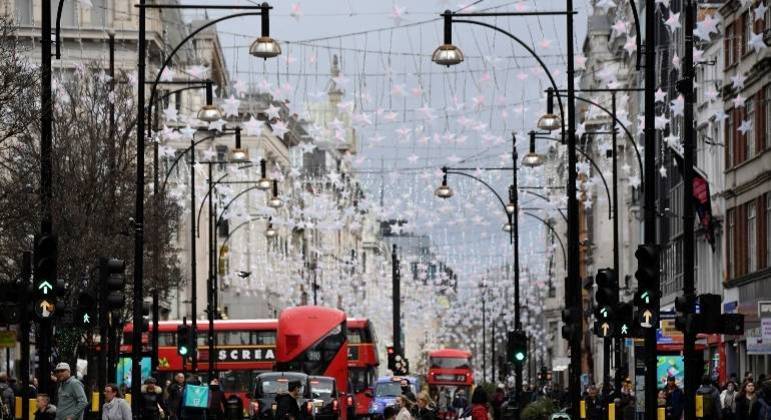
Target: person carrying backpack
x=7 y=397
x=711 y=399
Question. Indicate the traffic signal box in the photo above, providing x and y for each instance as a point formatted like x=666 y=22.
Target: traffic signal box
x=572 y=323
x=397 y=363
x=647 y=295
x=185 y=342
x=516 y=347
x=87 y=310
x=112 y=280
x=702 y=314
x=607 y=301
x=45 y=287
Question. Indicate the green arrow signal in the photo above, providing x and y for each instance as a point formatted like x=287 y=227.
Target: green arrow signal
x=604 y=312
x=645 y=296
x=45 y=286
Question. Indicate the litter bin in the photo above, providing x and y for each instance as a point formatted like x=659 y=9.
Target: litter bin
x=234 y=409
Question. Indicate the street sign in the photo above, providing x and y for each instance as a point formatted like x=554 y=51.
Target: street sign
x=7 y=339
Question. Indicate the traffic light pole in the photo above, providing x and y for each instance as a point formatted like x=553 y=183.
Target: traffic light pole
x=24 y=327
x=515 y=236
x=396 y=302
x=649 y=230
x=619 y=344
x=692 y=358
x=103 y=329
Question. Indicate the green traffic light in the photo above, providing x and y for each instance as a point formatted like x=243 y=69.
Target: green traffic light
x=519 y=356
x=182 y=351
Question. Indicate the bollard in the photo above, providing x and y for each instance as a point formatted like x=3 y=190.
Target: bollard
x=662 y=413
x=611 y=411
x=94 y=402
x=699 y=406
x=234 y=409
x=127 y=397
x=17 y=408
x=32 y=407
x=582 y=410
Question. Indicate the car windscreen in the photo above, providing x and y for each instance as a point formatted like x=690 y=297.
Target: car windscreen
x=322 y=388
x=388 y=389
x=273 y=386
x=449 y=363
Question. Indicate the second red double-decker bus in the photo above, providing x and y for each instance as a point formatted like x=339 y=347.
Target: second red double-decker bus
x=450 y=367
x=313 y=340
x=362 y=363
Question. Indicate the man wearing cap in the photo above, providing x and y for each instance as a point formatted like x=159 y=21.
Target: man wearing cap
x=287 y=403
x=71 y=399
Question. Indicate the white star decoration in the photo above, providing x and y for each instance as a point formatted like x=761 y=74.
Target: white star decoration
x=253 y=126
x=745 y=126
x=230 y=106
x=673 y=21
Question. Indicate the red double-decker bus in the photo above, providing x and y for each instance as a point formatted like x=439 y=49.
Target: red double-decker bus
x=450 y=367
x=313 y=340
x=362 y=363
x=245 y=348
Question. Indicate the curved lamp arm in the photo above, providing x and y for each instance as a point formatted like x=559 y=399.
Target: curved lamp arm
x=556 y=235
x=530 y=50
x=221 y=216
x=628 y=133
x=203 y=201
x=167 y=61
x=599 y=172
x=498 y=196
x=239 y=226
x=545 y=198
x=184 y=152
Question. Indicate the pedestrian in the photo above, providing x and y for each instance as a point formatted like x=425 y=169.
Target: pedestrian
x=217 y=401
x=459 y=403
x=728 y=401
x=594 y=406
x=71 y=399
x=188 y=411
x=407 y=389
x=287 y=403
x=389 y=413
x=426 y=409
x=7 y=397
x=746 y=402
x=115 y=407
x=174 y=395
x=710 y=399
x=675 y=399
x=479 y=407
x=627 y=400
x=151 y=408
x=499 y=396
x=32 y=390
x=403 y=405
x=661 y=399
x=45 y=410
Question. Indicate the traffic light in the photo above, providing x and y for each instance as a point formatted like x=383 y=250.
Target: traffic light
x=624 y=320
x=708 y=316
x=391 y=358
x=685 y=307
x=402 y=365
x=516 y=348
x=86 y=314
x=647 y=276
x=572 y=323
x=113 y=282
x=606 y=296
x=185 y=343
x=44 y=284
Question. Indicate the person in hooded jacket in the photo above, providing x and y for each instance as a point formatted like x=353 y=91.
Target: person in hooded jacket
x=216 y=401
x=152 y=400
x=115 y=407
x=287 y=403
x=711 y=399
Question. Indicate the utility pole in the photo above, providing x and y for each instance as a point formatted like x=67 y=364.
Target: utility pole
x=24 y=327
x=693 y=359
x=396 y=302
x=649 y=231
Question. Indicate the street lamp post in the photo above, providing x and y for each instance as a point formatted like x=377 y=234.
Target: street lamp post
x=136 y=342
x=573 y=298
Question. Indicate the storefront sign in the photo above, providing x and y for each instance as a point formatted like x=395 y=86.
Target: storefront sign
x=757 y=345
x=764 y=313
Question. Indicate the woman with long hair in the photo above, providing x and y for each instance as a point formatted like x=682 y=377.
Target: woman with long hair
x=746 y=402
x=479 y=408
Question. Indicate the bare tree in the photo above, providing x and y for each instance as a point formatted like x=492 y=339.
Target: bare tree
x=94 y=172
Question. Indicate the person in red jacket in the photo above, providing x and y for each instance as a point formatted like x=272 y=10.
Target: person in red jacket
x=479 y=408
